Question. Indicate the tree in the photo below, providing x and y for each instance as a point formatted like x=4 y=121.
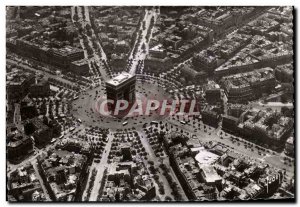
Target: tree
x=285 y=110
x=143 y=47
x=168 y=198
x=284 y=98
x=75 y=17
x=161 y=189
x=89 y=32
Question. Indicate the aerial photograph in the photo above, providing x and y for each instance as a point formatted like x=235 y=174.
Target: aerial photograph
x=150 y=104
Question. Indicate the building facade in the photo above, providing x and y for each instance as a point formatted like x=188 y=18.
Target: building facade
x=122 y=87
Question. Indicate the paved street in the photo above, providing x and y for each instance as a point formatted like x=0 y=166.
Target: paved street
x=96 y=57
x=85 y=107
x=101 y=166
x=157 y=162
x=140 y=54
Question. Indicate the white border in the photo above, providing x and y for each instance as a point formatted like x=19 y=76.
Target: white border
x=156 y=2
x=3 y=3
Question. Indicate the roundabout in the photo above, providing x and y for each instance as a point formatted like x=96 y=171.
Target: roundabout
x=84 y=108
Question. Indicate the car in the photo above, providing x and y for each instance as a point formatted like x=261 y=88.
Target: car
x=182 y=122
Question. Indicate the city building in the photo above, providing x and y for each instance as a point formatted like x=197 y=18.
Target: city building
x=186 y=171
x=41 y=133
x=236 y=110
x=266 y=126
x=158 y=52
x=28 y=109
x=260 y=53
x=157 y=65
x=229 y=123
x=173 y=41
x=127 y=181
x=284 y=73
x=264 y=24
x=64 y=174
x=220 y=19
x=18 y=145
x=63 y=57
x=270 y=182
x=80 y=67
x=244 y=87
x=213 y=93
x=24 y=185
x=252 y=191
x=40 y=88
x=205 y=157
x=211 y=115
x=18 y=84
x=194 y=76
x=196 y=184
x=210 y=176
x=289 y=146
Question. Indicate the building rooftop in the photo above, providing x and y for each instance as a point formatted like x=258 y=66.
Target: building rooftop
x=67 y=50
x=210 y=174
x=38 y=124
x=205 y=157
x=80 y=62
x=157 y=48
x=124 y=76
x=17 y=77
x=16 y=137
